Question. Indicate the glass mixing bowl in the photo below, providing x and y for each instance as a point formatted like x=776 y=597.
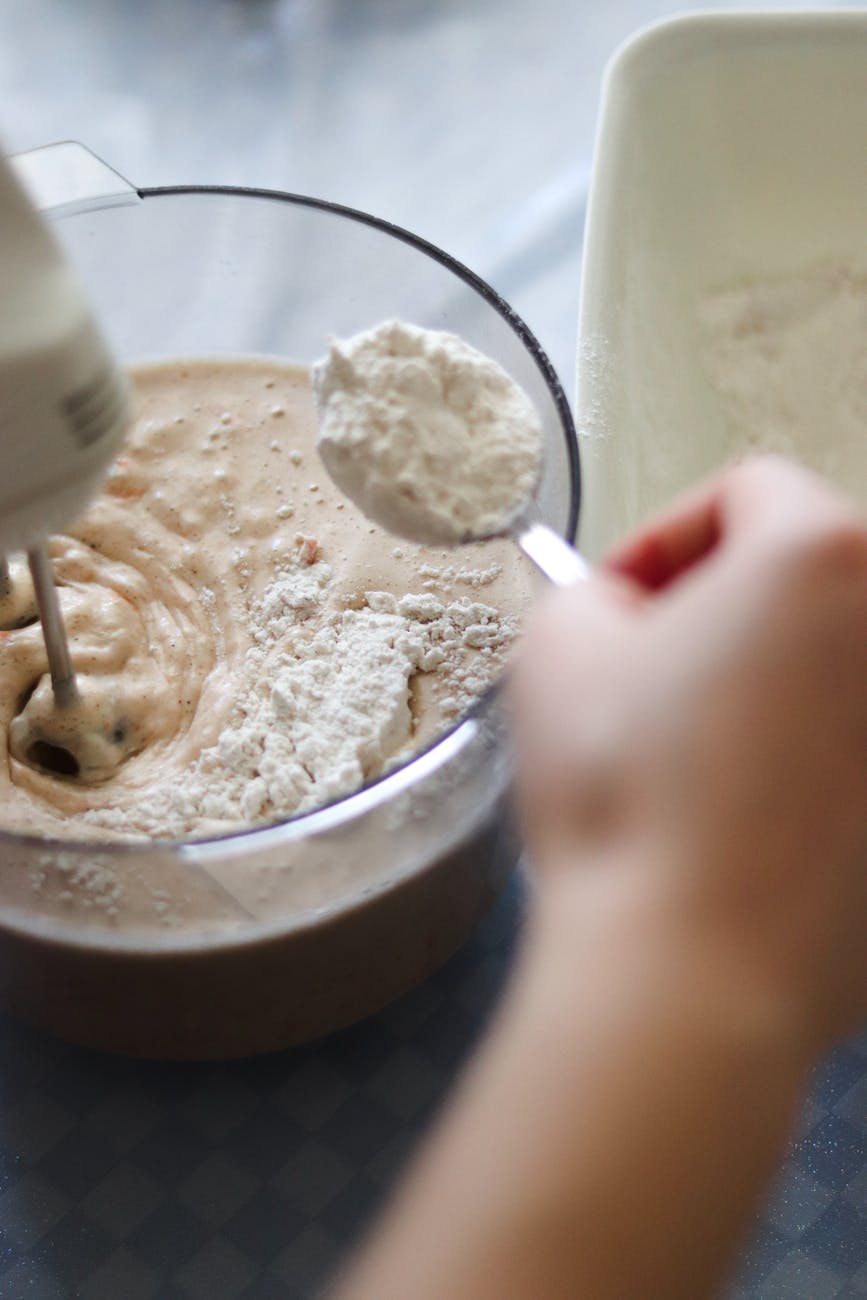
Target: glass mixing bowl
x=274 y=935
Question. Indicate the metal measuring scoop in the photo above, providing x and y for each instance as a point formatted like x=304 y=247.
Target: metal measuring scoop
x=393 y=444
x=560 y=563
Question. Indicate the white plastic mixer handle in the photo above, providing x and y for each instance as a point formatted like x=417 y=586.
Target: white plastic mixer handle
x=63 y=399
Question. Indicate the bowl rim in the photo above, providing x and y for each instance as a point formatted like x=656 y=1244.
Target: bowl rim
x=448 y=742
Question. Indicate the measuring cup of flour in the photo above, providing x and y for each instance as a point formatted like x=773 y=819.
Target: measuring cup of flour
x=436 y=442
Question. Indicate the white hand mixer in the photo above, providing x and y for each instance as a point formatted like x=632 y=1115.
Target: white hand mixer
x=63 y=408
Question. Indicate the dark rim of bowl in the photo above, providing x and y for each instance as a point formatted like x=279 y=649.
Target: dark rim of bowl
x=555 y=388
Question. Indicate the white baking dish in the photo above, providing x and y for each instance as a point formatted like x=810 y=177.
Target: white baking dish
x=730 y=147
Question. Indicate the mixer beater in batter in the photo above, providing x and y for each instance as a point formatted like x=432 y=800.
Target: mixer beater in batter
x=63 y=681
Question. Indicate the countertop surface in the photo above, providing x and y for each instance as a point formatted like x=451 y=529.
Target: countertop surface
x=470 y=122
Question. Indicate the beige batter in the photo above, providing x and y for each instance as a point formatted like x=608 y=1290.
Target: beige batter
x=203 y=594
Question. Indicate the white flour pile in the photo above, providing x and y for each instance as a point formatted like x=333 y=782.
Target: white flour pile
x=327 y=701
x=789 y=359
x=429 y=437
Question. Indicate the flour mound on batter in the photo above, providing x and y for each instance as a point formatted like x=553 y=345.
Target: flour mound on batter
x=429 y=437
x=322 y=704
x=326 y=703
